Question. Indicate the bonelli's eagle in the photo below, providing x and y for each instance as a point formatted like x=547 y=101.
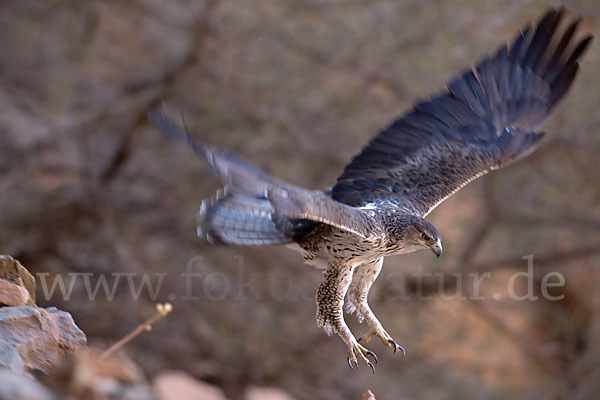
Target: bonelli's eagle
x=485 y=119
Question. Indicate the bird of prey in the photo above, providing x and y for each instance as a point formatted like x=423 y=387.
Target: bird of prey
x=485 y=119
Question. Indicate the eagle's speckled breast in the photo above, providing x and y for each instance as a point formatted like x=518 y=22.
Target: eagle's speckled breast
x=327 y=244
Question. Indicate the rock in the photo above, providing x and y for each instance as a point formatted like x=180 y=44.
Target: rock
x=89 y=366
x=11 y=360
x=266 y=393
x=20 y=387
x=12 y=271
x=87 y=376
x=13 y=295
x=112 y=389
x=368 y=395
x=42 y=337
x=175 y=385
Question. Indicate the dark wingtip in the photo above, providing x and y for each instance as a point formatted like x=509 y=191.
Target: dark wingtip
x=581 y=48
x=558 y=62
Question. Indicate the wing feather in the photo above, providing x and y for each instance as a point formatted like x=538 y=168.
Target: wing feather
x=483 y=121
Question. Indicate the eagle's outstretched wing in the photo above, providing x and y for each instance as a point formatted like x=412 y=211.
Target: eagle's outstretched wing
x=484 y=121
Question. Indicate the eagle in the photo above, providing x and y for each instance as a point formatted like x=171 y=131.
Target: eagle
x=485 y=119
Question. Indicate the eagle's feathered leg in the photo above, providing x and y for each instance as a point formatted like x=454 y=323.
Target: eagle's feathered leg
x=330 y=315
x=364 y=276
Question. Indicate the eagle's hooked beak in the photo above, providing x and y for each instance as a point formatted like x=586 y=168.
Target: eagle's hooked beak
x=437 y=249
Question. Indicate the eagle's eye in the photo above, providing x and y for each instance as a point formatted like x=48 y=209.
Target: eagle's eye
x=425 y=237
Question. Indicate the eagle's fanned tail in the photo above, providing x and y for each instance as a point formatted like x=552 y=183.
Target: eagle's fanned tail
x=242 y=214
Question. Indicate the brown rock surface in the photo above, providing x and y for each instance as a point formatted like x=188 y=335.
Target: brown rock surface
x=12 y=271
x=13 y=295
x=42 y=337
x=368 y=395
x=266 y=393
x=175 y=385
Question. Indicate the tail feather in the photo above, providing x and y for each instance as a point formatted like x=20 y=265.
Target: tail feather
x=236 y=219
x=244 y=215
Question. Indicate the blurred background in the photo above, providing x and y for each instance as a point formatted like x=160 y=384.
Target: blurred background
x=87 y=185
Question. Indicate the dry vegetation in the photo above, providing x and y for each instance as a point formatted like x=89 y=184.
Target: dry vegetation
x=297 y=86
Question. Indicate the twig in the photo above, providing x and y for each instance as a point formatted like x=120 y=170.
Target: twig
x=161 y=311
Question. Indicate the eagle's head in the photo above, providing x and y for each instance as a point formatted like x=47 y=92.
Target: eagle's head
x=416 y=233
